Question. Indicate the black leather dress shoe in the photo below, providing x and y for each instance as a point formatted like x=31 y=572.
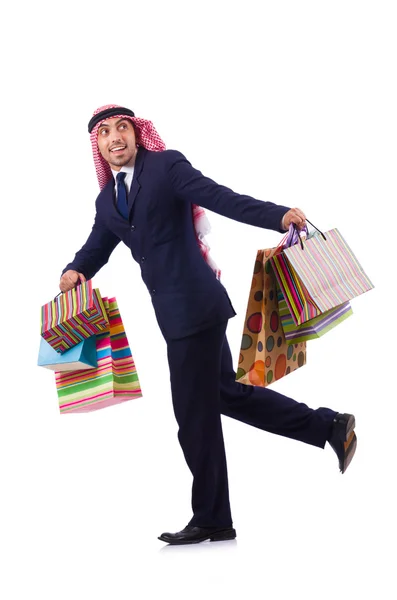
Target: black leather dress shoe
x=343 y=440
x=194 y=535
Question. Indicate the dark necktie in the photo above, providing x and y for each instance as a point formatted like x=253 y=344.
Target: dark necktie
x=122 y=195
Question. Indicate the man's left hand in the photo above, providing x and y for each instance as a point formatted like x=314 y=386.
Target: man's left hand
x=294 y=215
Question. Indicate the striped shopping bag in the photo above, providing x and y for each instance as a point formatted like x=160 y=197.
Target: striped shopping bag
x=318 y=275
x=73 y=316
x=113 y=381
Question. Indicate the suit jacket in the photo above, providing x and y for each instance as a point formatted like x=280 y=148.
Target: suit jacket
x=186 y=295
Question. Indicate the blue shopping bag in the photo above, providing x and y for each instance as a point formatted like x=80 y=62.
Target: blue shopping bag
x=81 y=356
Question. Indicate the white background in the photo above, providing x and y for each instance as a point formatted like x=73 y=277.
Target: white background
x=293 y=102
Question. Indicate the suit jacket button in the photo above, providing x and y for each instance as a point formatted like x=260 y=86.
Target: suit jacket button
x=153 y=292
x=143 y=259
x=133 y=227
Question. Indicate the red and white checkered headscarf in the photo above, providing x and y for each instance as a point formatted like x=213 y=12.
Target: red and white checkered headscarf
x=147 y=136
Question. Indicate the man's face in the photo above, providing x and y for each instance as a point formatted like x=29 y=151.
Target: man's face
x=117 y=143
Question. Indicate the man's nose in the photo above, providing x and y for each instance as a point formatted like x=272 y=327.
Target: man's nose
x=115 y=140
x=115 y=136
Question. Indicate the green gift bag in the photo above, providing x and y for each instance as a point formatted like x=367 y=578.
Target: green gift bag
x=315 y=328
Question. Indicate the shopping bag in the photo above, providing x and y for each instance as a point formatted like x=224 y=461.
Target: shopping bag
x=265 y=355
x=318 y=275
x=73 y=316
x=314 y=328
x=82 y=356
x=115 y=379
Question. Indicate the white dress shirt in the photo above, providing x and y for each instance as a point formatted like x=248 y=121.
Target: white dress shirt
x=128 y=177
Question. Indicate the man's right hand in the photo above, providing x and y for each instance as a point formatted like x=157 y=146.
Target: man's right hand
x=70 y=279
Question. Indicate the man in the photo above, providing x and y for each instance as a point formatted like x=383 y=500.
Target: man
x=152 y=199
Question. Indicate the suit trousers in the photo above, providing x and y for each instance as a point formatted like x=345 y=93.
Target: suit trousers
x=203 y=386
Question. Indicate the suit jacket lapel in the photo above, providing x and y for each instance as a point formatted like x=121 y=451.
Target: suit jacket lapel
x=135 y=185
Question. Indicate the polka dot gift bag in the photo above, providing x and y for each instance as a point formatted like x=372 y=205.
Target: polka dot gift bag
x=265 y=355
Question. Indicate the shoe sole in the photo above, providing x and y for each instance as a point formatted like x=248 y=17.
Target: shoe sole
x=349 y=427
x=350 y=449
x=219 y=536
x=349 y=439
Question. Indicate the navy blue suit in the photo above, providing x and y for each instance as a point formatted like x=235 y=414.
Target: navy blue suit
x=192 y=309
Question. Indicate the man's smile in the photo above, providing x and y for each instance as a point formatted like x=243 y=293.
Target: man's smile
x=118 y=149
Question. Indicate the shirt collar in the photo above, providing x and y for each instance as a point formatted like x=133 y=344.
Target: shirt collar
x=124 y=169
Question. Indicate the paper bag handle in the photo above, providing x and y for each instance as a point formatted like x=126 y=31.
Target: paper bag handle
x=78 y=283
x=300 y=239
